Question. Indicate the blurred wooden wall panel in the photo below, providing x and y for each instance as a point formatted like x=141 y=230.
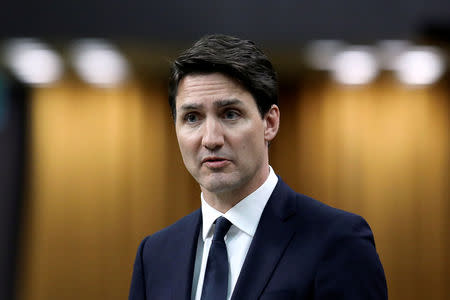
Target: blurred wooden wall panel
x=100 y=180
x=382 y=151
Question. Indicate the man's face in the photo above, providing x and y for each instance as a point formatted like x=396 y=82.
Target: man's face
x=222 y=137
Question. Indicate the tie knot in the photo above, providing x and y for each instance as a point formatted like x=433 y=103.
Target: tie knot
x=221 y=229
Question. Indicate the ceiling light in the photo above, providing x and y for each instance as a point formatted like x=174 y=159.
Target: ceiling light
x=388 y=52
x=319 y=54
x=99 y=63
x=33 y=62
x=419 y=66
x=355 y=65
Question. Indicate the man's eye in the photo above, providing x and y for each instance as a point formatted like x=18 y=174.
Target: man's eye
x=191 y=118
x=231 y=115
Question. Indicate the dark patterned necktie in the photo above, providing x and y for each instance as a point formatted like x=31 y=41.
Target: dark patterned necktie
x=215 y=284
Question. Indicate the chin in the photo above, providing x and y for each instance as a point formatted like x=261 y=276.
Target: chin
x=219 y=183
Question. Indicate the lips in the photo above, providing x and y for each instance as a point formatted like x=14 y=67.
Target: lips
x=215 y=162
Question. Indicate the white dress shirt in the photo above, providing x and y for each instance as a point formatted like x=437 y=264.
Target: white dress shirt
x=244 y=217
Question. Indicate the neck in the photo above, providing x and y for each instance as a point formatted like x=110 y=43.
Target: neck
x=224 y=200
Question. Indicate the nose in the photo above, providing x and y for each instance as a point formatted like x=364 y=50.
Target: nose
x=213 y=137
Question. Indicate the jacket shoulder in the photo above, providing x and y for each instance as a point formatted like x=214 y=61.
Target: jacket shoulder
x=173 y=232
x=316 y=215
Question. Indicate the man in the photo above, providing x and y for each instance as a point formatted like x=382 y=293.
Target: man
x=253 y=238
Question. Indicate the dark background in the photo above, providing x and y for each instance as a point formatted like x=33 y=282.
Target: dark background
x=288 y=21
x=13 y=122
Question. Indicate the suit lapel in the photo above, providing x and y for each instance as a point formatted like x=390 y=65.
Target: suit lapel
x=184 y=259
x=271 y=239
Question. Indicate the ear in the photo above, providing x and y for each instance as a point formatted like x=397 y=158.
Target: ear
x=271 y=123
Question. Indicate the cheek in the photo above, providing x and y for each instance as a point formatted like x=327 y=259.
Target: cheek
x=186 y=141
x=249 y=144
x=185 y=147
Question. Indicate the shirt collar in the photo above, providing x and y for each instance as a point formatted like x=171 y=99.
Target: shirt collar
x=246 y=213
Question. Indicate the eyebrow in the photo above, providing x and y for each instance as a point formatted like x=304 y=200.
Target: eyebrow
x=217 y=104
x=191 y=106
x=227 y=102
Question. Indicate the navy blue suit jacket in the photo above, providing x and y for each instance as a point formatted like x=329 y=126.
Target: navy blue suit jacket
x=302 y=249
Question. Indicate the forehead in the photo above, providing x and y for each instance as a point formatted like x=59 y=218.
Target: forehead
x=209 y=87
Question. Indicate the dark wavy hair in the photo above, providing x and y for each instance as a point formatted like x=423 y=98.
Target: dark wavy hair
x=231 y=56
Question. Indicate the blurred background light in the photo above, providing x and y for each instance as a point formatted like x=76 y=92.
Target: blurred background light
x=419 y=66
x=319 y=54
x=99 y=63
x=354 y=65
x=388 y=52
x=32 y=61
